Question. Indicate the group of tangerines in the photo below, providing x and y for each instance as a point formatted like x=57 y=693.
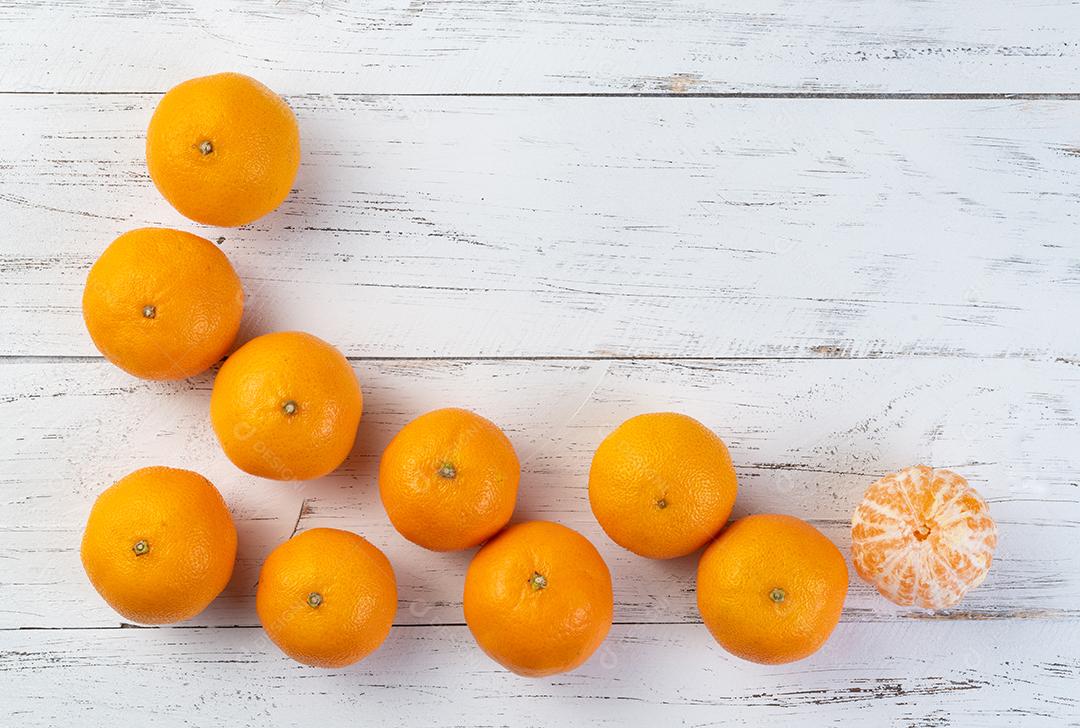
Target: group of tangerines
x=159 y=544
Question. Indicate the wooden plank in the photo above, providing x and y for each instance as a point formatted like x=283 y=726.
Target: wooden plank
x=559 y=46
x=967 y=674
x=807 y=436
x=532 y=227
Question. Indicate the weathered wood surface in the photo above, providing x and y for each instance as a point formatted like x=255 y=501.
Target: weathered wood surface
x=839 y=286
x=970 y=674
x=557 y=46
x=806 y=437
x=524 y=227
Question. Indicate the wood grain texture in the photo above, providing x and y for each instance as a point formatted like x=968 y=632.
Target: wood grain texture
x=525 y=227
x=964 y=674
x=559 y=46
x=491 y=214
x=806 y=438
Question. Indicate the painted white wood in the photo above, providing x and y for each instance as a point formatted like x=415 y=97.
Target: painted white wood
x=838 y=287
x=556 y=46
x=467 y=227
x=970 y=674
x=806 y=438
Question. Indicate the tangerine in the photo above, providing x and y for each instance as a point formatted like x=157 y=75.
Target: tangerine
x=662 y=485
x=327 y=597
x=162 y=304
x=159 y=545
x=223 y=149
x=538 y=598
x=923 y=537
x=449 y=480
x=771 y=588
x=286 y=406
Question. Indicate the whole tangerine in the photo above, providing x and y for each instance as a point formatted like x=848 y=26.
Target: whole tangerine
x=327 y=597
x=449 y=480
x=662 y=485
x=159 y=545
x=223 y=149
x=771 y=588
x=286 y=406
x=538 y=598
x=162 y=304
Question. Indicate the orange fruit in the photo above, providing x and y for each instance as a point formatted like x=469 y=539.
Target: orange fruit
x=286 y=406
x=449 y=480
x=327 y=597
x=923 y=536
x=159 y=545
x=771 y=588
x=661 y=485
x=538 y=598
x=223 y=149
x=162 y=304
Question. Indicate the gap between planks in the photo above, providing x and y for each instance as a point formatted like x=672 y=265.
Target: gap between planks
x=829 y=353
x=735 y=95
x=860 y=617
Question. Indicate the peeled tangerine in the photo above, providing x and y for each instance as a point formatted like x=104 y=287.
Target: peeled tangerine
x=923 y=537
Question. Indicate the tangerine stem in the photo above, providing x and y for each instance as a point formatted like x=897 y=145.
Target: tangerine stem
x=314 y=599
x=447 y=471
x=149 y=311
x=777 y=595
x=537 y=581
x=141 y=547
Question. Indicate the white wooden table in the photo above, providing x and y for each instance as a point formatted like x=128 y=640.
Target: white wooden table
x=843 y=234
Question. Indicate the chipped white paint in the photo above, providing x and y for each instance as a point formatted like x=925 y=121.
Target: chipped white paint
x=594 y=227
x=970 y=674
x=551 y=46
x=798 y=443
x=840 y=287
